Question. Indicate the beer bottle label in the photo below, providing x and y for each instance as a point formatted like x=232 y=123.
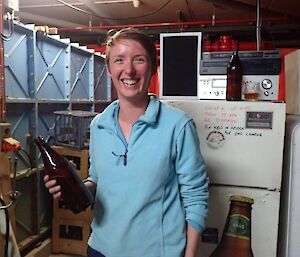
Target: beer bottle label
x=239 y=226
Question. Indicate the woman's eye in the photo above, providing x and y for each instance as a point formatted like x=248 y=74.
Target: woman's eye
x=118 y=60
x=139 y=60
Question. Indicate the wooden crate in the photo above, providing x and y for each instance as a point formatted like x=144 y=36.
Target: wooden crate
x=70 y=231
x=82 y=162
x=70 y=236
x=79 y=157
x=60 y=212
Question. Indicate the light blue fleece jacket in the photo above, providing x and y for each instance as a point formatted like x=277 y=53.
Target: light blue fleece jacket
x=148 y=188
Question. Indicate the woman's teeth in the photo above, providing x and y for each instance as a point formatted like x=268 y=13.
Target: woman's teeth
x=129 y=82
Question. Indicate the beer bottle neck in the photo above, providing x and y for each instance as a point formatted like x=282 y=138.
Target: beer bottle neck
x=236 y=237
x=50 y=158
x=238 y=224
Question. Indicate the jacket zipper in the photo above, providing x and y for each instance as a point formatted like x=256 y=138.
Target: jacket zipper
x=125 y=157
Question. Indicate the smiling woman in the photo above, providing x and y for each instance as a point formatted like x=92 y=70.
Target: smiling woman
x=148 y=175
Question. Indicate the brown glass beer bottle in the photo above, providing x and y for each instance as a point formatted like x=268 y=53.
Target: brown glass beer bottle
x=236 y=238
x=234 y=78
x=75 y=195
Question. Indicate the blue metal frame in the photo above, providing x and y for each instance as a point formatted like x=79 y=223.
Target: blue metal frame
x=44 y=74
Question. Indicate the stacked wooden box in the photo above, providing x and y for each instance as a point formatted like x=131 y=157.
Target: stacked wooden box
x=70 y=232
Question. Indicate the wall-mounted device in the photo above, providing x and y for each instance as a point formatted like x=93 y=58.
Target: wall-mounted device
x=263 y=67
x=179 y=65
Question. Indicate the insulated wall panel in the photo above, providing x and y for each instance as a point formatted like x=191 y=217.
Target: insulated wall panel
x=82 y=78
x=52 y=66
x=19 y=61
x=102 y=83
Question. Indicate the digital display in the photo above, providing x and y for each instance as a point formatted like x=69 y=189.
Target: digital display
x=218 y=83
x=259 y=120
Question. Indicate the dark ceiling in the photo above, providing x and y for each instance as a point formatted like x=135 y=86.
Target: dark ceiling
x=87 y=21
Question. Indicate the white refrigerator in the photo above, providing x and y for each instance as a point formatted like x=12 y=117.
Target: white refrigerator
x=242 y=145
x=289 y=236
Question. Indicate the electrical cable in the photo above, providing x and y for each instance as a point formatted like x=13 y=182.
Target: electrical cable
x=7 y=227
x=74 y=7
x=190 y=9
x=30 y=160
x=110 y=18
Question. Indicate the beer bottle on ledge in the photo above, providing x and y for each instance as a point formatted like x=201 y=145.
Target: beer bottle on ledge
x=234 y=78
x=75 y=195
x=236 y=238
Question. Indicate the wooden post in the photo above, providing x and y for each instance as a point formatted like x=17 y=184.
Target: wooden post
x=5 y=188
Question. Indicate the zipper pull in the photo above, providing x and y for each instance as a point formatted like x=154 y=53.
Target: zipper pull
x=125 y=158
x=120 y=156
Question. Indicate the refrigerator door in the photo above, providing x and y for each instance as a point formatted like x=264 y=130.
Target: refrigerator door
x=265 y=212
x=289 y=237
x=241 y=142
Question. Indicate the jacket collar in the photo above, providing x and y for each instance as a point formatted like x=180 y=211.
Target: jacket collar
x=150 y=116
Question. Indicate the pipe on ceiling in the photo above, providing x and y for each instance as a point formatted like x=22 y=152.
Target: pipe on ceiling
x=242 y=6
x=172 y=24
x=46 y=20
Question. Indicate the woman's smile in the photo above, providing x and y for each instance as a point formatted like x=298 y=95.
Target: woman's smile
x=129 y=82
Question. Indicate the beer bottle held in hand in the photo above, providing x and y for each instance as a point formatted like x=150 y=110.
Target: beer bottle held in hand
x=236 y=238
x=234 y=78
x=75 y=195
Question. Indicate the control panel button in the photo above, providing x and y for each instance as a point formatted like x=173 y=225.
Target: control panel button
x=266 y=83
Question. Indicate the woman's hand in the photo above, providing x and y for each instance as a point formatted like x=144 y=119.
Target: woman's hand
x=52 y=186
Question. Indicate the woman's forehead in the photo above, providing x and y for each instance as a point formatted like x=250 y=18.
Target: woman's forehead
x=127 y=46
